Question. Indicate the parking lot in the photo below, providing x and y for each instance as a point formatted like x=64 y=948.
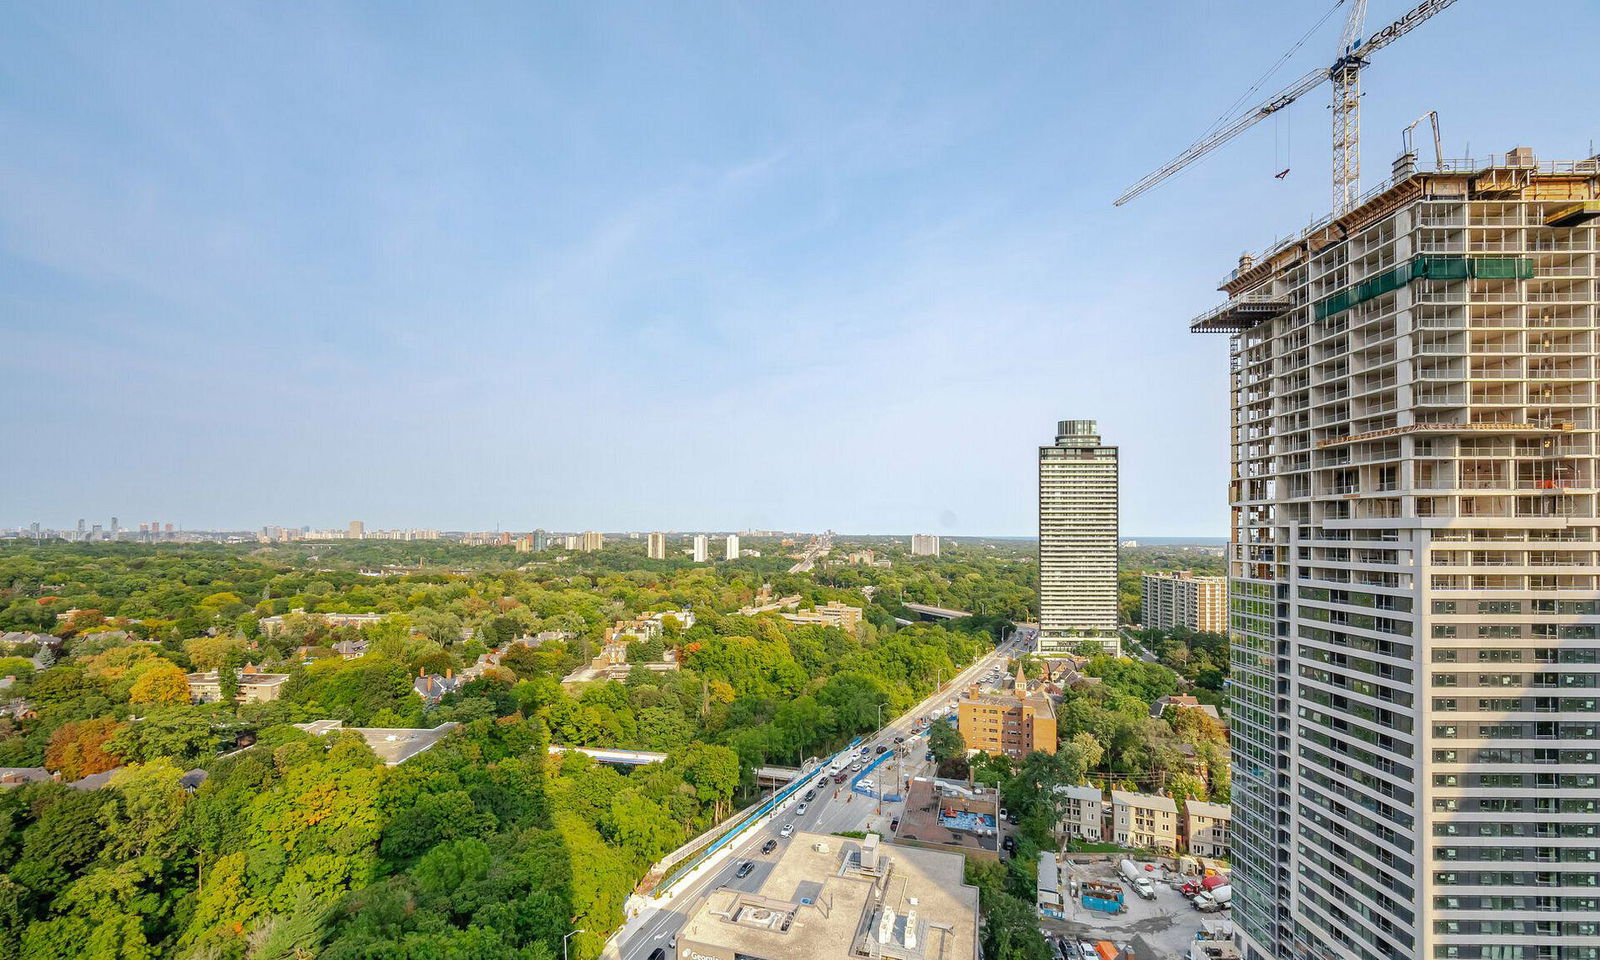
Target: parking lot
x=1157 y=929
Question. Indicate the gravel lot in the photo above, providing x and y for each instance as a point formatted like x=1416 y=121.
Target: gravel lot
x=1165 y=925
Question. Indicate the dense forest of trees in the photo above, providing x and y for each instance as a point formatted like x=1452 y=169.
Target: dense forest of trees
x=295 y=844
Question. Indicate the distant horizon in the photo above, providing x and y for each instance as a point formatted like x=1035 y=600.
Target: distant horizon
x=1152 y=540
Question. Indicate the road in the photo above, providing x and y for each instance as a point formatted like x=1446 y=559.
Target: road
x=1128 y=642
x=815 y=550
x=835 y=809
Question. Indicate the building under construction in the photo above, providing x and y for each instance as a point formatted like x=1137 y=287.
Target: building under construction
x=1413 y=598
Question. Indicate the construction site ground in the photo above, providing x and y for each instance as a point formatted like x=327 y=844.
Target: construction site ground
x=1157 y=929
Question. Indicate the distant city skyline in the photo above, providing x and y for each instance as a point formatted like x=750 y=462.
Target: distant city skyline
x=643 y=533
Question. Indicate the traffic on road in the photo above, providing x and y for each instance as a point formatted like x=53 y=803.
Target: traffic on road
x=829 y=805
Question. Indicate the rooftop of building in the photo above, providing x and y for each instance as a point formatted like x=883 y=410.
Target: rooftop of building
x=393 y=745
x=1216 y=811
x=1183 y=701
x=248 y=677
x=828 y=897
x=1185 y=575
x=950 y=815
x=12 y=776
x=1085 y=791
x=1150 y=801
x=1041 y=704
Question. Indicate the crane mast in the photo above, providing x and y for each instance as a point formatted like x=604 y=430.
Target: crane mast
x=1345 y=75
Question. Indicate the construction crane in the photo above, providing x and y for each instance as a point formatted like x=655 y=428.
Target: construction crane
x=1345 y=74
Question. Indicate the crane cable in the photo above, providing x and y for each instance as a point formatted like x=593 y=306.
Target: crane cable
x=1229 y=113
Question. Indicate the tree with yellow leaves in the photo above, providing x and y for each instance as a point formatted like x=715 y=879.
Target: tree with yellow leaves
x=162 y=685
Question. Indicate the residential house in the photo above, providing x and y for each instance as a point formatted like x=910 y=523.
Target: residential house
x=1084 y=814
x=1205 y=828
x=431 y=687
x=1144 y=821
x=16 y=776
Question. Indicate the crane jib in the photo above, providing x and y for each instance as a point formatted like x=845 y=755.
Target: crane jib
x=1344 y=73
x=1402 y=26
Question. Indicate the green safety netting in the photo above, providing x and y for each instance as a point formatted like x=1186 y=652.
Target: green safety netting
x=1439 y=268
x=1502 y=268
x=1425 y=268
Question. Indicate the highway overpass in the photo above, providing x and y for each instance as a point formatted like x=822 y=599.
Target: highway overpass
x=636 y=758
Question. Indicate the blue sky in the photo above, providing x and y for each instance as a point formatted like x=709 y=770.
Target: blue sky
x=682 y=265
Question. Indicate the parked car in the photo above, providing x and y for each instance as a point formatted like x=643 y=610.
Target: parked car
x=769 y=846
x=1011 y=818
x=744 y=869
x=1009 y=844
x=787 y=831
x=894 y=824
x=1004 y=813
x=928 y=756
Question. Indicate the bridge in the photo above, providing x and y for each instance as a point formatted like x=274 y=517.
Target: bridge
x=928 y=612
x=637 y=758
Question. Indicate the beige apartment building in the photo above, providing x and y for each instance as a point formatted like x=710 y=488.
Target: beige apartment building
x=254 y=686
x=999 y=723
x=1144 y=821
x=1205 y=828
x=1181 y=599
x=831 y=614
x=1415 y=545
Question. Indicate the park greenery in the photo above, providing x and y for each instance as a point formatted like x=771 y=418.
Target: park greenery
x=1199 y=658
x=222 y=831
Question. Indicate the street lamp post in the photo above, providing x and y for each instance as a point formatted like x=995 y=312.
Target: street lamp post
x=564 y=941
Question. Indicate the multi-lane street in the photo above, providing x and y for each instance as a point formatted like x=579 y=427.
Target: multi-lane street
x=814 y=551
x=833 y=808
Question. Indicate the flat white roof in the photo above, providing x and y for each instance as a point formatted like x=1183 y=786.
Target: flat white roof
x=1149 y=801
x=1216 y=811
x=1085 y=791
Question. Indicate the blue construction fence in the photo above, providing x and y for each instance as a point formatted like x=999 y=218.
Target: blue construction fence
x=876 y=794
x=773 y=802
